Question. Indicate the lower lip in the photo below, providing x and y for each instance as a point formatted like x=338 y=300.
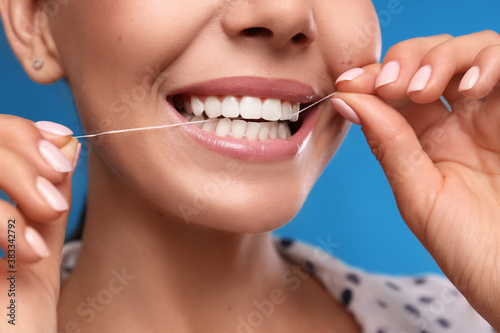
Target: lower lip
x=254 y=151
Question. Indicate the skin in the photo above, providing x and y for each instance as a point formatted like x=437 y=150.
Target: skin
x=136 y=186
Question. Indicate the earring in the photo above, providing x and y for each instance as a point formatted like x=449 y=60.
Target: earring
x=37 y=63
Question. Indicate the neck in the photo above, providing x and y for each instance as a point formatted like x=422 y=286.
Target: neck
x=134 y=252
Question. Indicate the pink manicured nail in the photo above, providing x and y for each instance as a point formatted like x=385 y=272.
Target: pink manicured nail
x=77 y=155
x=36 y=242
x=54 y=156
x=53 y=128
x=470 y=79
x=345 y=110
x=420 y=79
x=52 y=195
x=350 y=75
x=388 y=74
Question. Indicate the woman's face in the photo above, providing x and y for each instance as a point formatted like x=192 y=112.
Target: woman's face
x=139 y=63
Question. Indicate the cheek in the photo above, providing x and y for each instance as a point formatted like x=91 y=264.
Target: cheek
x=350 y=35
x=114 y=50
x=139 y=26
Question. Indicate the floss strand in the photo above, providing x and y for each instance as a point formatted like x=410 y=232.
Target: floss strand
x=136 y=129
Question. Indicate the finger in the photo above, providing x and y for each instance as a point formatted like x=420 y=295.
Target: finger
x=21 y=136
x=401 y=63
x=362 y=80
x=411 y=173
x=483 y=75
x=60 y=136
x=55 y=133
x=36 y=196
x=359 y=80
x=444 y=61
x=20 y=243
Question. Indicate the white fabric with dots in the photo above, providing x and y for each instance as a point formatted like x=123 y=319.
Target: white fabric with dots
x=379 y=303
x=389 y=304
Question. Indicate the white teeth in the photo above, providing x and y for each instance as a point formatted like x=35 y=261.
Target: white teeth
x=273 y=131
x=198 y=118
x=213 y=107
x=248 y=108
x=210 y=125
x=282 y=131
x=295 y=112
x=264 y=131
x=253 y=130
x=238 y=128
x=251 y=107
x=271 y=109
x=197 y=106
x=223 y=127
x=286 y=110
x=230 y=107
x=241 y=129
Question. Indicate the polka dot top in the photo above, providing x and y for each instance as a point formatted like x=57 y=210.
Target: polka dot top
x=379 y=303
x=388 y=304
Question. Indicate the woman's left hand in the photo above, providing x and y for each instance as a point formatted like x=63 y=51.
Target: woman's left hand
x=444 y=167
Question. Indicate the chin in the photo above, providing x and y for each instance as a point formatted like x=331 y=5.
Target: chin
x=247 y=219
x=257 y=209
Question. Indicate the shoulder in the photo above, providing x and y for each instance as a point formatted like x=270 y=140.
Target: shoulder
x=384 y=303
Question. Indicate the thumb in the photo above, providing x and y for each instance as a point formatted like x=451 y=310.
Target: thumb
x=71 y=150
x=411 y=173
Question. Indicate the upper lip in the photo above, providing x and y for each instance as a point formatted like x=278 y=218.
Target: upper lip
x=284 y=89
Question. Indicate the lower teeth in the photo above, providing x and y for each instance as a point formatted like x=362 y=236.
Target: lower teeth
x=241 y=129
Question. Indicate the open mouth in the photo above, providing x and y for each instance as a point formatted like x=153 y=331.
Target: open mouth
x=240 y=117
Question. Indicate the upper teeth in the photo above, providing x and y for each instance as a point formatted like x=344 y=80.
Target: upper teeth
x=246 y=107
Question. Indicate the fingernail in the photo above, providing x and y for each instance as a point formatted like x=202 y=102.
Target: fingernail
x=388 y=74
x=36 y=242
x=470 y=79
x=52 y=195
x=345 y=110
x=77 y=155
x=420 y=79
x=54 y=156
x=350 y=75
x=54 y=128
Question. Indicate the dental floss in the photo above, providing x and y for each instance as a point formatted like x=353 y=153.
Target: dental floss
x=175 y=125
x=137 y=129
x=315 y=103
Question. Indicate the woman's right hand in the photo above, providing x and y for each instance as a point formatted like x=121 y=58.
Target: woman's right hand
x=36 y=166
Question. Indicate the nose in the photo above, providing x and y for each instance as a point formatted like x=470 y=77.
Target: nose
x=279 y=22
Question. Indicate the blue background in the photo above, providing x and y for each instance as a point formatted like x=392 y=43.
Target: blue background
x=351 y=211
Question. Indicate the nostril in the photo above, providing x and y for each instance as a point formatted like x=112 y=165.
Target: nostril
x=299 y=38
x=257 y=32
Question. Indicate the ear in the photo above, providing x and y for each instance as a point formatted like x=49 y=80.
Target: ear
x=27 y=29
